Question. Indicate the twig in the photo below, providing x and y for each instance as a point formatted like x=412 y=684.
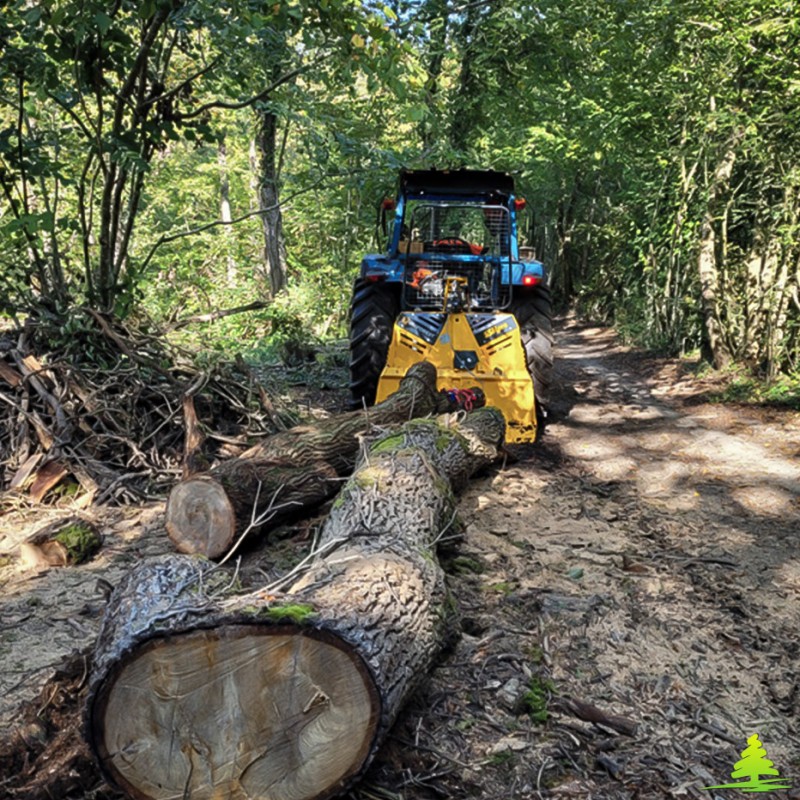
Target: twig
x=446 y=528
x=117 y=482
x=265 y=516
x=714 y=731
x=542 y=768
x=299 y=568
x=213 y=316
x=437 y=753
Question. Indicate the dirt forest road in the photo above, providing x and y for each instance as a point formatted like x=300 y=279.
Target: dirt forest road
x=630 y=594
x=642 y=564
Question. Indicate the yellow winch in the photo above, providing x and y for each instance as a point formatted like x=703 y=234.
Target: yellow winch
x=467 y=349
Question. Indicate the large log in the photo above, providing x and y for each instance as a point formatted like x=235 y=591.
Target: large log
x=285 y=695
x=298 y=468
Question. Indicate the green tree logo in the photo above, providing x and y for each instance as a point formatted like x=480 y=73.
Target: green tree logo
x=753 y=764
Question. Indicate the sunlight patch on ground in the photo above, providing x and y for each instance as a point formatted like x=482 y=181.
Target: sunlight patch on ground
x=771 y=501
x=788 y=574
x=660 y=441
x=662 y=477
x=615 y=469
x=592 y=448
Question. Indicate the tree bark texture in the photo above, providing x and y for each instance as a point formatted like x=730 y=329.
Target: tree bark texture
x=707 y=268
x=293 y=469
x=269 y=200
x=200 y=692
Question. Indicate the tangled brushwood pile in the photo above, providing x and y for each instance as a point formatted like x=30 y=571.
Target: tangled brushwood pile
x=104 y=412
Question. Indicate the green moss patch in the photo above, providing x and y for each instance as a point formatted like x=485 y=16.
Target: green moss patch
x=388 y=444
x=297 y=613
x=463 y=565
x=369 y=477
x=537 y=697
x=80 y=541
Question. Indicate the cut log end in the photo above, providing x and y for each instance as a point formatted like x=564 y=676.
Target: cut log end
x=294 y=715
x=200 y=518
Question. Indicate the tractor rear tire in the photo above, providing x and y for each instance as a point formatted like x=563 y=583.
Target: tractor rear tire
x=373 y=310
x=533 y=309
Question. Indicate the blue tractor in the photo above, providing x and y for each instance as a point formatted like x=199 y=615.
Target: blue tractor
x=456 y=289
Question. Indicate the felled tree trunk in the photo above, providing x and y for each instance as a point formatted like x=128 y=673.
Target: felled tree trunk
x=290 y=470
x=198 y=693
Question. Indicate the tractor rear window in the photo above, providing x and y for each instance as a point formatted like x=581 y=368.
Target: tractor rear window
x=442 y=242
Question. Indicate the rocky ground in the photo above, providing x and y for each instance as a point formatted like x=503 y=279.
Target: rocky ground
x=629 y=593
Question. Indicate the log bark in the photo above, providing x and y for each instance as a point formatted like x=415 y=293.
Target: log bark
x=207 y=513
x=197 y=692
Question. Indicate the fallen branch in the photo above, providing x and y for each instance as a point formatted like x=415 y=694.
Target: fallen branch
x=103 y=401
x=213 y=316
x=589 y=713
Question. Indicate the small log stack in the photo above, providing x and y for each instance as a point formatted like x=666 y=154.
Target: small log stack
x=301 y=467
x=200 y=692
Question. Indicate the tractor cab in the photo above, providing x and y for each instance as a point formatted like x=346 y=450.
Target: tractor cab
x=462 y=223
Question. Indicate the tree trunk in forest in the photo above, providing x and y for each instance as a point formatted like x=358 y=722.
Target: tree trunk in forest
x=269 y=199
x=198 y=693
x=466 y=105
x=428 y=127
x=718 y=350
x=767 y=292
x=287 y=471
x=564 y=226
x=225 y=211
x=709 y=281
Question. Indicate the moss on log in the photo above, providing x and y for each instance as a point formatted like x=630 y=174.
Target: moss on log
x=66 y=542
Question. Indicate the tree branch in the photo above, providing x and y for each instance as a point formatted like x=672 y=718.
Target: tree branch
x=20 y=139
x=125 y=93
x=34 y=250
x=263 y=95
x=181 y=86
x=166 y=238
x=213 y=316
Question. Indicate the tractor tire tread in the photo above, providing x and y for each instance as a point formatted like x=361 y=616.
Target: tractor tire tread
x=533 y=311
x=373 y=310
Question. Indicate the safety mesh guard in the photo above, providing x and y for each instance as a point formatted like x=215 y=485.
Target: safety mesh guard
x=449 y=240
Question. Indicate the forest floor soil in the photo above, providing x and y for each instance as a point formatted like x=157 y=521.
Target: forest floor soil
x=629 y=589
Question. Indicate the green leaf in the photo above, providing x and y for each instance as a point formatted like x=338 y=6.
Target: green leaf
x=147 y=9
x=103 y=22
